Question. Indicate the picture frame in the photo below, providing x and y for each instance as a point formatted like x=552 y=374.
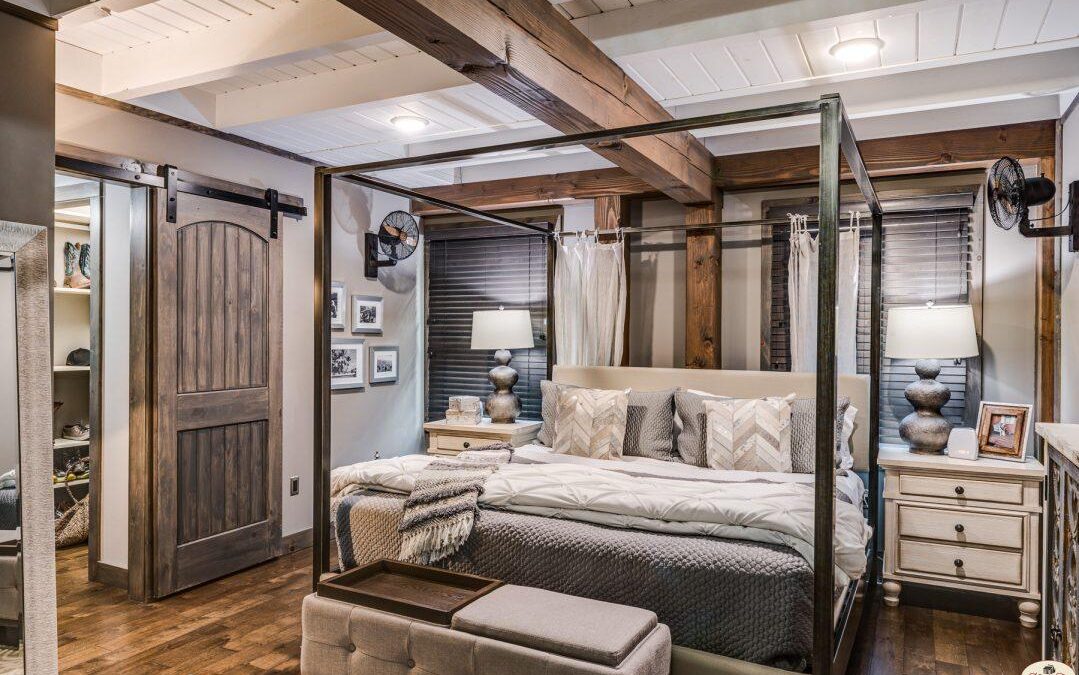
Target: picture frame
x=385 y=364
x=366 y=314
x=347 y=363
x=338 y=306
x=1003 y=430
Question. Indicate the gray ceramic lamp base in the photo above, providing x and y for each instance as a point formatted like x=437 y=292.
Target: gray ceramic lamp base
x=925 y=430
x=503 y=406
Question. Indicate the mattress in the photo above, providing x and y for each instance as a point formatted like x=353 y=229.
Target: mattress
x=747 y=600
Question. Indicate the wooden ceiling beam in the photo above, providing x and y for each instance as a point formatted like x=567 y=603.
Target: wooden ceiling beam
x=917 y=153
x=526 y=52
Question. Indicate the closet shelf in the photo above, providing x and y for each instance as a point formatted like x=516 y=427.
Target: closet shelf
x=78 y=227
x=59 y=443
x=71 y=369
x=63 y=290
x=77 y=481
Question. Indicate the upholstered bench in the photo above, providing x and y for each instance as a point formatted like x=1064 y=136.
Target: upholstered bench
x=513 y=629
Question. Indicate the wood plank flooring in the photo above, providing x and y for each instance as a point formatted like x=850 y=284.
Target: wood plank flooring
x=250 y=623
x=246 y=623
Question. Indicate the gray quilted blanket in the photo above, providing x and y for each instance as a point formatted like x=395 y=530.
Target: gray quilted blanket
x=747 y=600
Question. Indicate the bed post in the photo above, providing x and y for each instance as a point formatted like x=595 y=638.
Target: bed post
x=875 y=353
x=321 y=446
x=824 y=495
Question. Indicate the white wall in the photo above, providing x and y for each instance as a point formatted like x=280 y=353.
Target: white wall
x=1069 y=283
x=92 y=126
x=385 y=418
x=115 y=372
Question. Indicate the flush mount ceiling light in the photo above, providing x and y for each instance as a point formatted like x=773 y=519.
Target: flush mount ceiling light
x=410 y=123
x=856 y=49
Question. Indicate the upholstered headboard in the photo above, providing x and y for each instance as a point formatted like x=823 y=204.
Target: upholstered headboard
x=737 y=383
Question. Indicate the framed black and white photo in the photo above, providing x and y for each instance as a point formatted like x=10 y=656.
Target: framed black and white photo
x=366 y=314
x=338 y=307
x=346 y=363
x=384 y=364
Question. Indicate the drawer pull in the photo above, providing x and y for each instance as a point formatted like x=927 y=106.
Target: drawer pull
x=466 y=445
x=958 y=562
x=959 y=489
x=959 y=527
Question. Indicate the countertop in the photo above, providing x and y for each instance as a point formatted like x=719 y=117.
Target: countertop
x=1063 y=437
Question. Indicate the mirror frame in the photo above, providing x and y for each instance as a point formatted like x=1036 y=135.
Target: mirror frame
x=33 y=312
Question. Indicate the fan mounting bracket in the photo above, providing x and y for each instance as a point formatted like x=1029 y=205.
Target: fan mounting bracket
x=1071 y=230
x=371 y=263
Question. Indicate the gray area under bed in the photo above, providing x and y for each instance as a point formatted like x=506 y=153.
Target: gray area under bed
x=746 y=600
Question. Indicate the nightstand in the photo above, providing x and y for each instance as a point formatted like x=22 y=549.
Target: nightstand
x=961 y=524
x=449 y=439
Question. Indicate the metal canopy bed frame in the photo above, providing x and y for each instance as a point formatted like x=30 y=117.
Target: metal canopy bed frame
x=832 y=641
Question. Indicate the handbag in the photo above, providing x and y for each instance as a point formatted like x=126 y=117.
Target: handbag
x=73 y=526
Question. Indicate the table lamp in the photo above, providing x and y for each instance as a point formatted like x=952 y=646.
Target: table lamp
x=502 y=330
x=927 y=333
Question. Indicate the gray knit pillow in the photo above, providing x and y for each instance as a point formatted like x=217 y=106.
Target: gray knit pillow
x=649 y=422
x=804 y=433
x=693 y=439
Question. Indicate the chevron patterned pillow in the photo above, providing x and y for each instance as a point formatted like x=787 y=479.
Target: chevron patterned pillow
x=749 y=434
x=591 y=422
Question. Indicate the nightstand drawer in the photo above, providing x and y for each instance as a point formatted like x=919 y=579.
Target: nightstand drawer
x=961 y=527
x=459 y=443
x=1002 y=492
x=976 y=564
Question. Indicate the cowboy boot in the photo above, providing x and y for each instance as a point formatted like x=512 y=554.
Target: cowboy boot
x=84 y=260
x=73 y=276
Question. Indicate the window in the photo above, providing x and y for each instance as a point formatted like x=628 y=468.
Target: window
x=927 y=256
x=472 y=266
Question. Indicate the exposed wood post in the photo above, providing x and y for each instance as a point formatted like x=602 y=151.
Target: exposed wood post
x=1047 y=312
x=611 y=214
x=704 y=250
x=526 y=52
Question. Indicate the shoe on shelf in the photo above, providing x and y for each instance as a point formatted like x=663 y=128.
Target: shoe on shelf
x=73 y=276
x=84 y=262
x=76 y=432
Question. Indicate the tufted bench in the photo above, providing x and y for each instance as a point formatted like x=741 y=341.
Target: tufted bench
x=513 y=629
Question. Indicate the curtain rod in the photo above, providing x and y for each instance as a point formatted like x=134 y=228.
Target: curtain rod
x=701 y=226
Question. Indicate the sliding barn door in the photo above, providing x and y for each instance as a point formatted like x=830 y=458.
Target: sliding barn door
x=217 y=381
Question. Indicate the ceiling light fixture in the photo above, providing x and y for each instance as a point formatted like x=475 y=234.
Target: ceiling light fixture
x=410 y=124
x=856 y=49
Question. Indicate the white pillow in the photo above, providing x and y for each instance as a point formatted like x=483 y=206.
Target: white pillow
x=749 y=434
x=846 y=459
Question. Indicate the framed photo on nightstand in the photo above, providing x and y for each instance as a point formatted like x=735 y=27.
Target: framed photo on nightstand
x=1002 y=430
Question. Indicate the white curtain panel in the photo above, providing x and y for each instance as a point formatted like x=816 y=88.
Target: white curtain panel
x=590 y=302
x=802 y=299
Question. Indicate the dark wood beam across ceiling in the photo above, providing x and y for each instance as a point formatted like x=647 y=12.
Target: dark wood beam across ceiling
x=527 y=53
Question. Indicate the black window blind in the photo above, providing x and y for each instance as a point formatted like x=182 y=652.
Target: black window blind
x=469 y=274
x=926 y=256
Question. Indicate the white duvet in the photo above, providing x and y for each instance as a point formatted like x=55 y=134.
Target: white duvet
x=771 y=508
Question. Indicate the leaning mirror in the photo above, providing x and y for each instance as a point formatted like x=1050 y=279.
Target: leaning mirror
x=12 y=237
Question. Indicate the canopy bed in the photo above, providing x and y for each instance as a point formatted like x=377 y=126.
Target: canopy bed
x=828 y=549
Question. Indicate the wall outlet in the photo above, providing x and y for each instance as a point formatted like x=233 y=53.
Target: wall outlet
x=294 y=486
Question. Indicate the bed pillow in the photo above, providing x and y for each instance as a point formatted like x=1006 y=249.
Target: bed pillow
x=749 y=434
x=689 y=406
x=804 y=433
x=591 y=422
x=649 y=422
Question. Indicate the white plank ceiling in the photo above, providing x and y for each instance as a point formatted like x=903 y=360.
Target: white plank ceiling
x=921 y=35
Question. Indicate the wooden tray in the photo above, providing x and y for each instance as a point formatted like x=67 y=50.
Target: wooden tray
x=425 y=593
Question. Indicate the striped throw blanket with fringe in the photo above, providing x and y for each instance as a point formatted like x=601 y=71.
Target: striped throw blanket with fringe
x=440 y=511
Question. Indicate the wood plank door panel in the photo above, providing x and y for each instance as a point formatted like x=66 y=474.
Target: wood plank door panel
x=217 y=380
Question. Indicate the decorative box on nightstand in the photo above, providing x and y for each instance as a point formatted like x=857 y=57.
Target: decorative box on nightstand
x=449 y=439
x=971 y=525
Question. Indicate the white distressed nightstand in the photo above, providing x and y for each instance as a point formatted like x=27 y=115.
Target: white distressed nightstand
x=961 y=524
x=449 y=439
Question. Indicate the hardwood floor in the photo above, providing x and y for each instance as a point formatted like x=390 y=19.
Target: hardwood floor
x=250 y=623
x=246 y=623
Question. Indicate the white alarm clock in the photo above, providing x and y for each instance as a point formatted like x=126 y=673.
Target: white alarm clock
x=963 y=444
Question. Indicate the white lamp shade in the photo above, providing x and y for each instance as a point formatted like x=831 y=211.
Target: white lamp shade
x=502 y=329
x=931 y=332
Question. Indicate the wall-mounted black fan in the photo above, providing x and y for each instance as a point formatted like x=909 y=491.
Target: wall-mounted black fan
x=1011 y=195
x=397 y=239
